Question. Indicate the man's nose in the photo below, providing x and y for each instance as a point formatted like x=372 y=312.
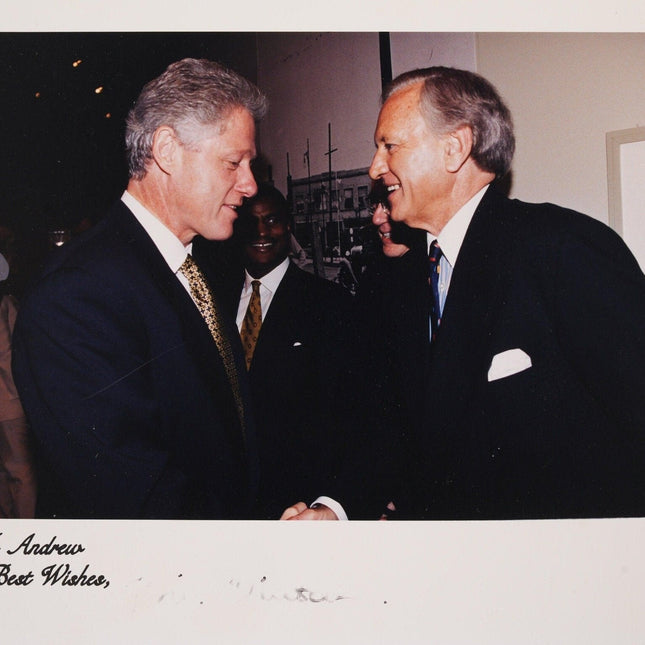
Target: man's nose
x=379 y=166
x=262 y=228
x=246 y=184
x=379 y=216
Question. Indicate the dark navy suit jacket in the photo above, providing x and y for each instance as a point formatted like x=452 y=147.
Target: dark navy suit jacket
x=126 y=394
x=563 y=438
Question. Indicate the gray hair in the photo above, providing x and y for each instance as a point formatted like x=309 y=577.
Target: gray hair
x=451 y=98
x=191 y=92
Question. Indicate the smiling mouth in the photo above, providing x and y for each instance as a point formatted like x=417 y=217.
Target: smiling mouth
x=261 y=246
x=393 y=187
x=384 y=235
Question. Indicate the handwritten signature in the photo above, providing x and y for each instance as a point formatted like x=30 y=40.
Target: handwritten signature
x=299 y=594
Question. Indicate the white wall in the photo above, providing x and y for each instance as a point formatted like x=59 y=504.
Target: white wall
x=412 y=49
x=566 y=91
x=312 y=80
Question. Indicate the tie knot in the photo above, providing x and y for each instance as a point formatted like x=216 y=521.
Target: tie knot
x=435 y=252
x=255 y=285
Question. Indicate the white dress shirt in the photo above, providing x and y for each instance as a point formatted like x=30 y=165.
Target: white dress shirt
x=450 y=240
x=168 y=244
x=268 y=286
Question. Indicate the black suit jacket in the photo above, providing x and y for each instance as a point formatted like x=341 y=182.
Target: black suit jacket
x=393 y=304
x=563 y=438
x=303 y=381
x=127 y=396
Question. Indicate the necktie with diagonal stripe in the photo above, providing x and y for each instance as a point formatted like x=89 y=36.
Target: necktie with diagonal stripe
x=206 y=304
x=251 y=324
x=434 y=270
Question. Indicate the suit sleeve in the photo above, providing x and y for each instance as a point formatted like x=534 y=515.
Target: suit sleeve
x=84 y=377
x=601 y=301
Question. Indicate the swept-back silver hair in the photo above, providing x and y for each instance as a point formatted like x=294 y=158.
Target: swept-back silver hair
x=451 y=98
x=191 y=92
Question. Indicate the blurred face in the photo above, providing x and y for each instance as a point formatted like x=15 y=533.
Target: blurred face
x=381 y=219
x=212 y=177
x=266 y=235
x=409 y=160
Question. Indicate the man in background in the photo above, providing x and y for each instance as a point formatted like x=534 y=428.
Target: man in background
x=300 y=340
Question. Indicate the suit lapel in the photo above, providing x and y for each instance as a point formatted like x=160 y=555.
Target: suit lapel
x=160 y=274
x=280 y=318
x=282 y=304
x=460 y=353
x=197 y=337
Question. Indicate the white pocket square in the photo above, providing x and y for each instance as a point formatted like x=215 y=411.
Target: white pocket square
x=507 y=363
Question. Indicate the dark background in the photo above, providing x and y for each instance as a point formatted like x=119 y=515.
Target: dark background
x=62 y=158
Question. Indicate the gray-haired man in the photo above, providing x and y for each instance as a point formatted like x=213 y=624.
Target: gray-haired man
x=131 y=378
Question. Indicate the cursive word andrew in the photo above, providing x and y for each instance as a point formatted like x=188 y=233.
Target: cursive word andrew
x=29 y=547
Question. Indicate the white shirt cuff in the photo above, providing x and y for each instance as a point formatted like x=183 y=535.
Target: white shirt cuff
x=334 y=506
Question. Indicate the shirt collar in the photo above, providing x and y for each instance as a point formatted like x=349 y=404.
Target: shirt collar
x=169 y=245
x=271 y=280
x=453 y=233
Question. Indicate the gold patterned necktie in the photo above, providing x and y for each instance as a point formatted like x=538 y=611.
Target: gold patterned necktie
x=206 y=304
x=251 y=324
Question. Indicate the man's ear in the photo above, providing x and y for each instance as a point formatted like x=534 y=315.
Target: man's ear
x=165 y=148
x=459 y=144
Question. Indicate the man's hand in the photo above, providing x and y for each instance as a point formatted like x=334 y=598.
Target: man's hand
x=301 y=511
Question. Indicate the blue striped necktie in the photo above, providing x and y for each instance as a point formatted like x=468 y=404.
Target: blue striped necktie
x=434 y=270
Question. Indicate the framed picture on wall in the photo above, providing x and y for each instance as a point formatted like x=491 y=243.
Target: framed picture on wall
x=626 y=187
